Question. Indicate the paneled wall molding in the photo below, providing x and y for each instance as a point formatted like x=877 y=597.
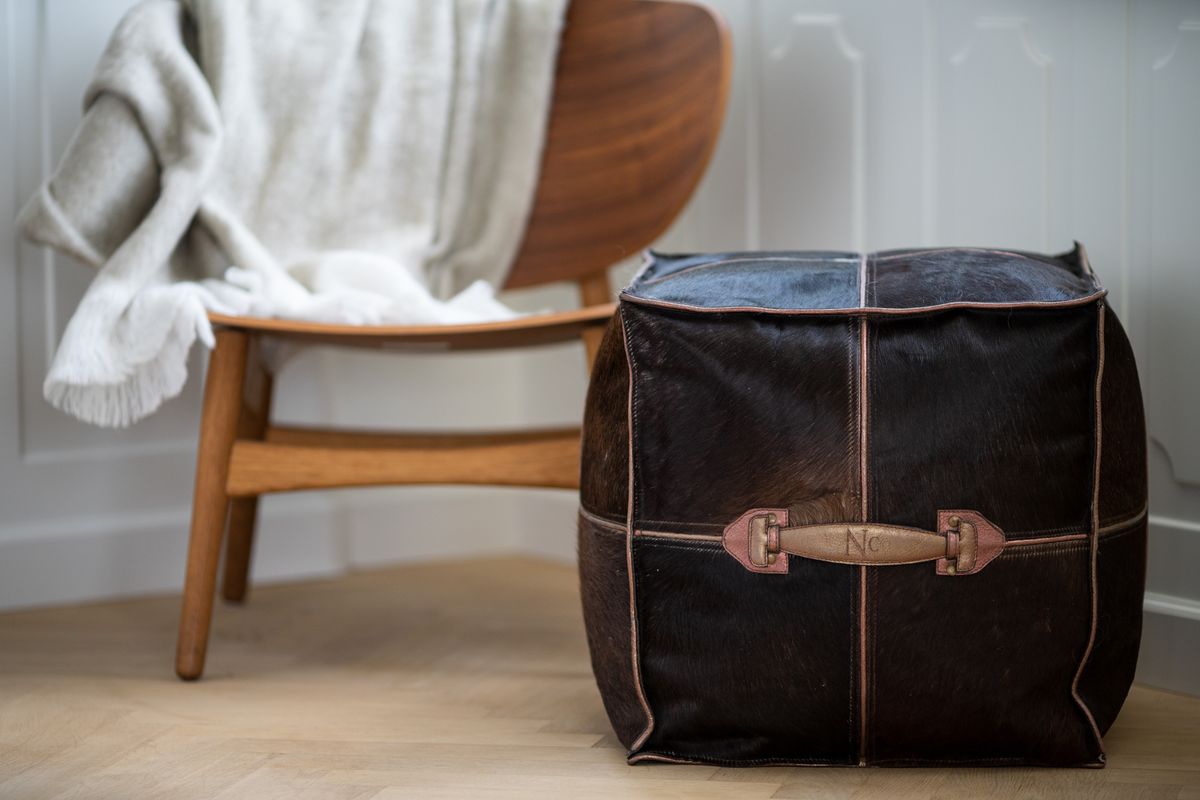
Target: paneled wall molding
x=1166 y=108
x=865 y=124
x=853 y=124
x=1172 y=606
x=810 y=55
x=1017 y=27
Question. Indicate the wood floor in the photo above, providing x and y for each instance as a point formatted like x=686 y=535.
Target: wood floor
x=456 y=680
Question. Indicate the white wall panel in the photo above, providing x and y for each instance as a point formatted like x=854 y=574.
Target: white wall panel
x=996 y=122
x=993 y=128
x=856 y=124
x=810 y=166
x=1166 y=163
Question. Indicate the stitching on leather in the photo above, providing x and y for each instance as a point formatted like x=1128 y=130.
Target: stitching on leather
x=1047 y=550
x=1029 y=305
x=849 y=462
x=600 y=520
x=866 y=622
x=726 y=262
x=1045 y=532
x=852 y=467
x=673 y=544
x=669 y=536
x=1127 y=518
x=1112 y=528
x=872 y=267
x=634 y=644
x=1132 y=529
x=1094 y=539
x=853 y=673
x=934 y=251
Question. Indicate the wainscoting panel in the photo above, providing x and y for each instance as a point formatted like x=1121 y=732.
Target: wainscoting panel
x=853 y=124
x=864 y=124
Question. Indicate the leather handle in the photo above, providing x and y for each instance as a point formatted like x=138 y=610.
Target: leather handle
x=963 y=543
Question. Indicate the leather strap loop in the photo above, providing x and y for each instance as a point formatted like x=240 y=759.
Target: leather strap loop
x=963 y=543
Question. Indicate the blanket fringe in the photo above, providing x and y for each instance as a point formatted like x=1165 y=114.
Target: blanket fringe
x=141 y=392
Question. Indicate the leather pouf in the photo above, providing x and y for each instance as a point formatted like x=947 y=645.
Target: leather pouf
x=846 y=509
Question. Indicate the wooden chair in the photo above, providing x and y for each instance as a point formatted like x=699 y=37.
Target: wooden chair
x=638 y=102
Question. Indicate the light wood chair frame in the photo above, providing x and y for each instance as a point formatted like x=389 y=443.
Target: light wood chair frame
x=638 y=103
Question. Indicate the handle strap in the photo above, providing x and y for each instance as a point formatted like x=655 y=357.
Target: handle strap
x=963 y=543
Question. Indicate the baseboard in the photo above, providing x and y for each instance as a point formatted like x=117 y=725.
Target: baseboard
x=1171 y=649
x=80 y=559
x=390 y=526
x=89 y=558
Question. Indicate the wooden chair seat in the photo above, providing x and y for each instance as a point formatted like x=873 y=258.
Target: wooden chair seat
x=526 y=331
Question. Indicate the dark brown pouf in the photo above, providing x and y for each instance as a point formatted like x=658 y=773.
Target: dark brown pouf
x=884 y=509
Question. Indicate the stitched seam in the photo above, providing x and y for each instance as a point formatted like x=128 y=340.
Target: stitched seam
x=601 y=522
x=934 y=251
x=872 y=266
x=1094 y=540
x=695 y=547
x=1047 y=531
x=1039 y=552
x=727 y=262
x=874 y=633
x=1111 y=528
x=1030 y=305
x=851 y=467
x=634 y=647
x=852 y=706
x=852 y=400
x=665 y=536
x=1119 y=521
x=865 y=677
x=711 y=544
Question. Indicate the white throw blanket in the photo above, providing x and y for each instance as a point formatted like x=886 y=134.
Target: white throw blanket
x=328 y=160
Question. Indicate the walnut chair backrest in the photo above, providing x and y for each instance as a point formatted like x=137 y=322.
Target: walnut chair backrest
x=639 y=98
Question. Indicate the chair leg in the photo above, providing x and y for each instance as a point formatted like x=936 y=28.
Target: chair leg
x=593 y=291
x=218 y=428
x=243 y=511
x=239 y=547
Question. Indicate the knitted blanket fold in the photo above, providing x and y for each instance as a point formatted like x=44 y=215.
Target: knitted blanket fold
x=327 y=160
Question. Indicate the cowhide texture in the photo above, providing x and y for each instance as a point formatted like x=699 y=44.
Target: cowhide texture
x=847 y=387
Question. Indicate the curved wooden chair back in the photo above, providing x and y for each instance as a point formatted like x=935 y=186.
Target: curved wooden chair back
x=639 y=99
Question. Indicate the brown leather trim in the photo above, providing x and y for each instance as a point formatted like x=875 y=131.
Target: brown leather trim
x=1066 y=537
x=743 y=260
x=863 y=443
x=635 y=659
x=601 y=521
x=660 y=758
x=1116 y=526
x=866 y=311
x=687 y=537
x=1095 y=533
